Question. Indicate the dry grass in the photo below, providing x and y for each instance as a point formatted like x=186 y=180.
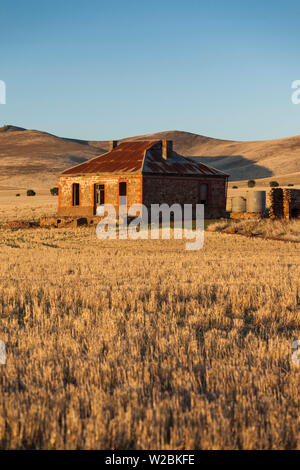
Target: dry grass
x=263 y=184
x=141 y=344
x=26 y=207
x=279 y=229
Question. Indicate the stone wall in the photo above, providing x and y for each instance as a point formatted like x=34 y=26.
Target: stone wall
x=246 y=215
x=86 y=193
x=284 y=203
x=291 y=203
x=146 y=189
x=185 y=190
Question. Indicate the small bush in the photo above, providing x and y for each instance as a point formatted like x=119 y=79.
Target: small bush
x=251 y=183
x=54 y=191
x=234 y=187
x=290 y=184
x=274 y=184
x=18 y=194
x=30 y=192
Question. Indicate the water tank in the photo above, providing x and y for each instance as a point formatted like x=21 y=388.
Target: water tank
x=256 y=201
x=238 y=204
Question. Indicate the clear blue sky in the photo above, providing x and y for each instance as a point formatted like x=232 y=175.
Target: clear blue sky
x=110 y=69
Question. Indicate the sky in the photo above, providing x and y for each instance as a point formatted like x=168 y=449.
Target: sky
x=100 y=70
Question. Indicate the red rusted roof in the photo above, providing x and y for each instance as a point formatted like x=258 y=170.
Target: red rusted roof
x=141 y=157
x=177 y=165
x=127 y=157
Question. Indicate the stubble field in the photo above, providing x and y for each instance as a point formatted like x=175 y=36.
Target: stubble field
x=143 y=345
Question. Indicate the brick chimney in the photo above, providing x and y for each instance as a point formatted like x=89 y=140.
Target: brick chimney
x=167 y=149
x=112 y=144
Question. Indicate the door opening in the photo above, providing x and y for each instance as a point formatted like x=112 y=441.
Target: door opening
x=99 y=197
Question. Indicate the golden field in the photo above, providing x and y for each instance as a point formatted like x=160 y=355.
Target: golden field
x=143 y=345
x=26 y=207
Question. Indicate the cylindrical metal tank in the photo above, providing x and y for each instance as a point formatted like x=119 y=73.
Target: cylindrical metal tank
x=256 y=201
x=238 y=204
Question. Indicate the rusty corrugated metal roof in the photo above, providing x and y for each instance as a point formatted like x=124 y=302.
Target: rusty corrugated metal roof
x=177 y=165
x=142 y=157
x=127 y=157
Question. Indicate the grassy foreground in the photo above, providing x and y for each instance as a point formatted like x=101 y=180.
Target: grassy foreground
x=265 y=228
x=143 y=345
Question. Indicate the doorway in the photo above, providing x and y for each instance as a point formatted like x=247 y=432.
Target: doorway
x=99 y=196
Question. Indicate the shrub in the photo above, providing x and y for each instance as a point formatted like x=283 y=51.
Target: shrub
x=30 y=192
x=274 y=184
x=18 y=194
x=54 y=191
x=290 y=184
x=234 y=187
x=251 y=183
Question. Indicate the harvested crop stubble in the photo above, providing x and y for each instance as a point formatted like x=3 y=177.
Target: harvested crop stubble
x=279 y=229
x=143 y=345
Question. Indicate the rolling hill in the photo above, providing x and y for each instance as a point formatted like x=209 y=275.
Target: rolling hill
x=30 y=158
x=241 y=160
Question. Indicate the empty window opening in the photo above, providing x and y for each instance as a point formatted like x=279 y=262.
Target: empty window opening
x=75 y=194
x=122 y=193
x=99 y=195
x=295 y=213
x=203 y=193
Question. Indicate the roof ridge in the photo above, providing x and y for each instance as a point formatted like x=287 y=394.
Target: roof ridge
x=146 y=150
x=132 y=162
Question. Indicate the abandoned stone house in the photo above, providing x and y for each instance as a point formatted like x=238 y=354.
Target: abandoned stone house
x=147 y=172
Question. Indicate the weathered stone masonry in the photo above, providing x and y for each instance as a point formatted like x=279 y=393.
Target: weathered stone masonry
x=86 y=195
x=181 y=190
x=284 y=203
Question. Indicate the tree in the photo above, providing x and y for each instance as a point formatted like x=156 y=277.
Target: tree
x=251 y=183
x=30 y=192
x=274 y=184
x=54 y=191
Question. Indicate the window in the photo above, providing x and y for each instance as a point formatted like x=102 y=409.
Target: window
x=75 y=194
x=99 y=195
x=122 y=194
x=203 y=193
x=123 y=189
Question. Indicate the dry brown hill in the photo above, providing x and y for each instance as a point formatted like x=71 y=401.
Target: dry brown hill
x=30 y=158
x=242 y=160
